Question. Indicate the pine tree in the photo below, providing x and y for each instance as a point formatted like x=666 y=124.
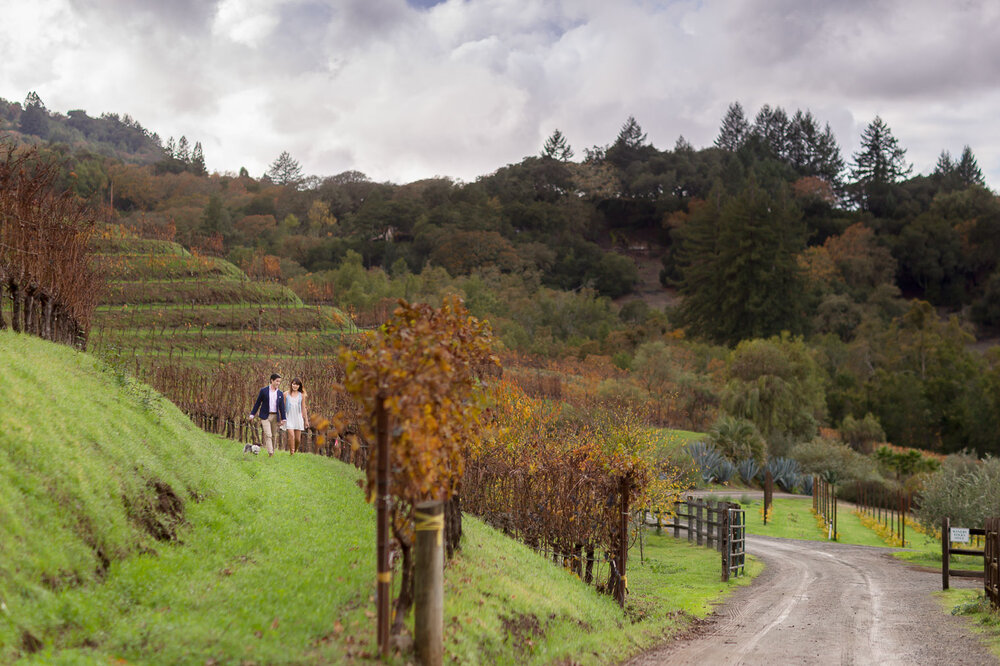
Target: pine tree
x=771 y=131
x=34 y=117
x=284 y=170
x=557 y=148
x=183 y=150
x=880 y=160
x=198 y=160
x=879 y=165
x=735 y=129
x=740 y=273
x=629 y=146
x=171 y=148
x=967 y=170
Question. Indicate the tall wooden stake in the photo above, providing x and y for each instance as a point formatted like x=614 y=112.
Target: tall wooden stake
x=384 y=574
x=428 y=583
x=623 y=544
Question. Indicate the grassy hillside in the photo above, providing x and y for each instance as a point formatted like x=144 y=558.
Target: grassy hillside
x=128 y=533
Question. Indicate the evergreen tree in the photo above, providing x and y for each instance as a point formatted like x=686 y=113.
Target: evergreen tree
x=735 y=129
x=215 y=218
x=34 y=117
x=945 y=165
x=284 y=170
x=171 y=147
x=967 y=170
x=183 y=151
x=629 y=146
x=770 y=129
x=740 y=274
x=879 y=165
x=198 y=160
x=557 y=148
x=683 y=145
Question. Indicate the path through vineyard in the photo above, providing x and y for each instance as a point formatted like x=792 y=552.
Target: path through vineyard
x=828 y=603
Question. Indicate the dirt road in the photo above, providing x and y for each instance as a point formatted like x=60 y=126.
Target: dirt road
x=827 y=603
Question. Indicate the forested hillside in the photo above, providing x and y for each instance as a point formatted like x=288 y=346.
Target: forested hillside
x=802 y=271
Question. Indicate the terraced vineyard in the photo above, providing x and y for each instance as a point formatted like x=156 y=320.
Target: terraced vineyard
x=162 y=301
x=206 y=336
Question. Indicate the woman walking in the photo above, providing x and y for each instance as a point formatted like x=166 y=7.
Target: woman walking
x=296 y=414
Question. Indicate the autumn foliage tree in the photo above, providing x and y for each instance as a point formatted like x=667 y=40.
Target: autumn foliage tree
x=44 y=254
x=423 y=367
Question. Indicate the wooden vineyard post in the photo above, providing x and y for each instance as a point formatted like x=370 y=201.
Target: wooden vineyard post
x=428 y=583
x=769 y=493
x=945 y=555
x=384 y=574
x=623 y=542
x=727 y=542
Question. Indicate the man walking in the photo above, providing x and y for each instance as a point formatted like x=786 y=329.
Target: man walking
x=270 y=406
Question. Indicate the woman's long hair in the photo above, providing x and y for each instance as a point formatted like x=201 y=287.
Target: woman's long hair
x=302 y=389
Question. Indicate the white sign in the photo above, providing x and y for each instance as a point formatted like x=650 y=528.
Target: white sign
x=960 y=534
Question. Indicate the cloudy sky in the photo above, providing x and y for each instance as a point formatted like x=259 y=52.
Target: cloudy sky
x=407 y=89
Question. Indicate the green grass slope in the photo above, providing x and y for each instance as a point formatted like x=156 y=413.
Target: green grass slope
x=126 y=533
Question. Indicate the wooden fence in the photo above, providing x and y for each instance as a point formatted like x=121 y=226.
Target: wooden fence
x=825 y=504
x=716 y=524
x=890 y=507
x=991 y=562
x=947 y=550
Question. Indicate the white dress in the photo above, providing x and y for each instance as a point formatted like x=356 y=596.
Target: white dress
x=293 y=412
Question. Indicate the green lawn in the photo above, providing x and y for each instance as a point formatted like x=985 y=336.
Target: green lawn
x=273 y=558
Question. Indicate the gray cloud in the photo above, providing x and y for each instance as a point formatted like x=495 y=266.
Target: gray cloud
x=404 y=90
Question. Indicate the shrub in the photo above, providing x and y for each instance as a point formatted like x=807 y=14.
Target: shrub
x=861 y=434
x=737 y=438
x=837 y=463
x=965 y=492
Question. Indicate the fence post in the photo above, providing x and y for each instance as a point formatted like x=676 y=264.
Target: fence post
x=721 y=538
x=769 y=493
x=710 y=529
x=428 y=583
x=384 y=575
x=699 y=523
x=623 y=542
x=945 y=554
x=727 y=543
x=690 y=505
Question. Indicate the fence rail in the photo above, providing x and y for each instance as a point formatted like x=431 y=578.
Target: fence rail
x=717 y=525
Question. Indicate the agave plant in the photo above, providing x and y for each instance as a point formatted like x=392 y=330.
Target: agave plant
x=707 y=458
x=806 y=483
x=724 y=471
x=784 y=471
x=748 y=469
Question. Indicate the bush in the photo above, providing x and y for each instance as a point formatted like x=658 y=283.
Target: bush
x=737 y=439
x=861 y=434
x=965 y=492
x=837 y=463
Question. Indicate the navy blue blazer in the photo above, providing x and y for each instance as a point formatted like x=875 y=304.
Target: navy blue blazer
x=263 y=404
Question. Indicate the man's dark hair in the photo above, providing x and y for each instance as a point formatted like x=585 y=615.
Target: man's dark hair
x=274 y=376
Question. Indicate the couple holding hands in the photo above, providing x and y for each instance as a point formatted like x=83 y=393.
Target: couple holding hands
x=287 y=410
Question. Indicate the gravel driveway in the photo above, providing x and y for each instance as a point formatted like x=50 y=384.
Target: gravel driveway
x=827 y=603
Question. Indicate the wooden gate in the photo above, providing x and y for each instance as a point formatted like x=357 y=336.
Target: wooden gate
x=991 y=562
x=734 y=550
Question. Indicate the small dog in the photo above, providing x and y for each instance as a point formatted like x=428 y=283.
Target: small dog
x=251 y=448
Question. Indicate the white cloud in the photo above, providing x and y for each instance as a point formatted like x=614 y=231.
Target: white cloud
x=466 y=86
